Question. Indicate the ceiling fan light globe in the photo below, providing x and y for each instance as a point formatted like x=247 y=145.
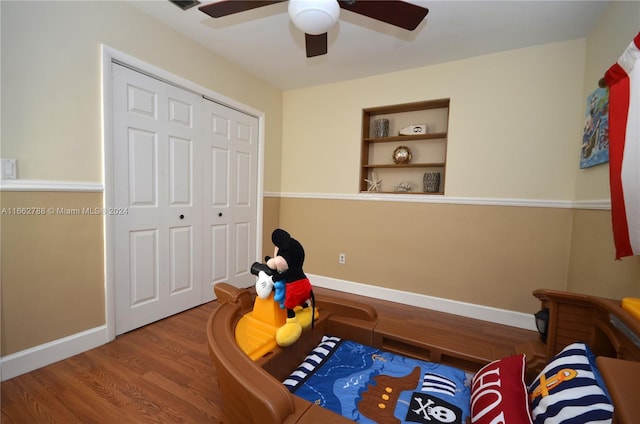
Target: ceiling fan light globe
x=314 y=16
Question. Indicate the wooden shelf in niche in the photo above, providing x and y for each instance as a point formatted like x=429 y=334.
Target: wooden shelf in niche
x=404 y=138
x=428 y=150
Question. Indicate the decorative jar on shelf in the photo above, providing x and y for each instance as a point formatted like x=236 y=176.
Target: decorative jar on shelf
x=431 y=182
x=381 y=128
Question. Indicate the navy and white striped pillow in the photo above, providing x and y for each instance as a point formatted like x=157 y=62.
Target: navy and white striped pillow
x=570 y=389
x=316 y=357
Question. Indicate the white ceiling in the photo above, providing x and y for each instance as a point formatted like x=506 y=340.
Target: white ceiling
x=264 y=41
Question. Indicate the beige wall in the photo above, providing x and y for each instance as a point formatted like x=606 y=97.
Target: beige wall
x=513 y=124
x=515 y=131
x=487 y=255
x=592 y=267
x=51 y=101
x=270 y=221
x=51 y=74
x=52 y=267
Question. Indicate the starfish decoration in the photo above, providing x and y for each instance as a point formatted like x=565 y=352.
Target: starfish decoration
x=375 y=183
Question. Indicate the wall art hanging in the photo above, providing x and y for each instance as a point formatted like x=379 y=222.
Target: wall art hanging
x=595 y=140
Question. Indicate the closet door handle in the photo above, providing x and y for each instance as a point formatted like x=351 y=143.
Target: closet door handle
x=181 y=216
x=219 y=213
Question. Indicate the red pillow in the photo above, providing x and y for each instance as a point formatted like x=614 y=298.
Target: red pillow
x=499 y=393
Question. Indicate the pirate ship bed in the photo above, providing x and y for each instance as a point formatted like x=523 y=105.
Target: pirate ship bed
x=558 y=377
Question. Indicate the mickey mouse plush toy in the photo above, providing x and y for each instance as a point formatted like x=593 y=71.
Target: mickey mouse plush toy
x=284 y=273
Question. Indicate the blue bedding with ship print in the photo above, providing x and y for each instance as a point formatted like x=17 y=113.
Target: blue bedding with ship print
x=368 y=385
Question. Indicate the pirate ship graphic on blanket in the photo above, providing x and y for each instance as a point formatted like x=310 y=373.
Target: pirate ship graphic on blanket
x=370 y=386
x=379 y=401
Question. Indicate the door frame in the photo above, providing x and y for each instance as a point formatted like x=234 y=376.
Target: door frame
x=110 y=55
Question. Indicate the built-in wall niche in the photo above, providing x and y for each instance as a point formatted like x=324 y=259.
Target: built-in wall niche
x=404 y=148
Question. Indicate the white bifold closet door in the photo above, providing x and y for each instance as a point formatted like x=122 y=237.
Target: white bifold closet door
x=185 y=172
x=229 y=195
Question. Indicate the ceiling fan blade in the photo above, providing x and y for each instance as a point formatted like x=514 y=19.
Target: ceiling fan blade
x=229 y=7
x=395 y=12
x=316 y=44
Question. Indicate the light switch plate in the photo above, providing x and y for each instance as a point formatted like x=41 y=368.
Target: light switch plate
x=8 y=168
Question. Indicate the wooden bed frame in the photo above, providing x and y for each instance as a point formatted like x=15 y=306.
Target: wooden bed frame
x=253 y=393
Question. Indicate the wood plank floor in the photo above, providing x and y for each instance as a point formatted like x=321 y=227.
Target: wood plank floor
x=162 y=373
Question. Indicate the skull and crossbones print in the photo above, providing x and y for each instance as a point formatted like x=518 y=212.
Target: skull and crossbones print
x=426 y=409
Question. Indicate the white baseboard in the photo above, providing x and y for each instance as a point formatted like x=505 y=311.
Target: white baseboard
x=39 y=356
x=45 y=354
x=470 y=310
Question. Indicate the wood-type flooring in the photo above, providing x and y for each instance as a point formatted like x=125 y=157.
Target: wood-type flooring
x=161 y=373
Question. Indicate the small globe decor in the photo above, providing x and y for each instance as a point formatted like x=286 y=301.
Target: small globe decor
x=401 y=155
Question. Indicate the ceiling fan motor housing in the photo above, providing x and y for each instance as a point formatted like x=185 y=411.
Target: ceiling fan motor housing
x=314 y=16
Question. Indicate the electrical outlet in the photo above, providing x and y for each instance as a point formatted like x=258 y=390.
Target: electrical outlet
x=342 y=258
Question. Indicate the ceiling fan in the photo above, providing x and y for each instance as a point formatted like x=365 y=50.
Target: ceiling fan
x=315 y=17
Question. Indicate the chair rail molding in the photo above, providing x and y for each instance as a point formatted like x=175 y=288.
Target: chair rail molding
x=51 y=185
x=597 y=204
